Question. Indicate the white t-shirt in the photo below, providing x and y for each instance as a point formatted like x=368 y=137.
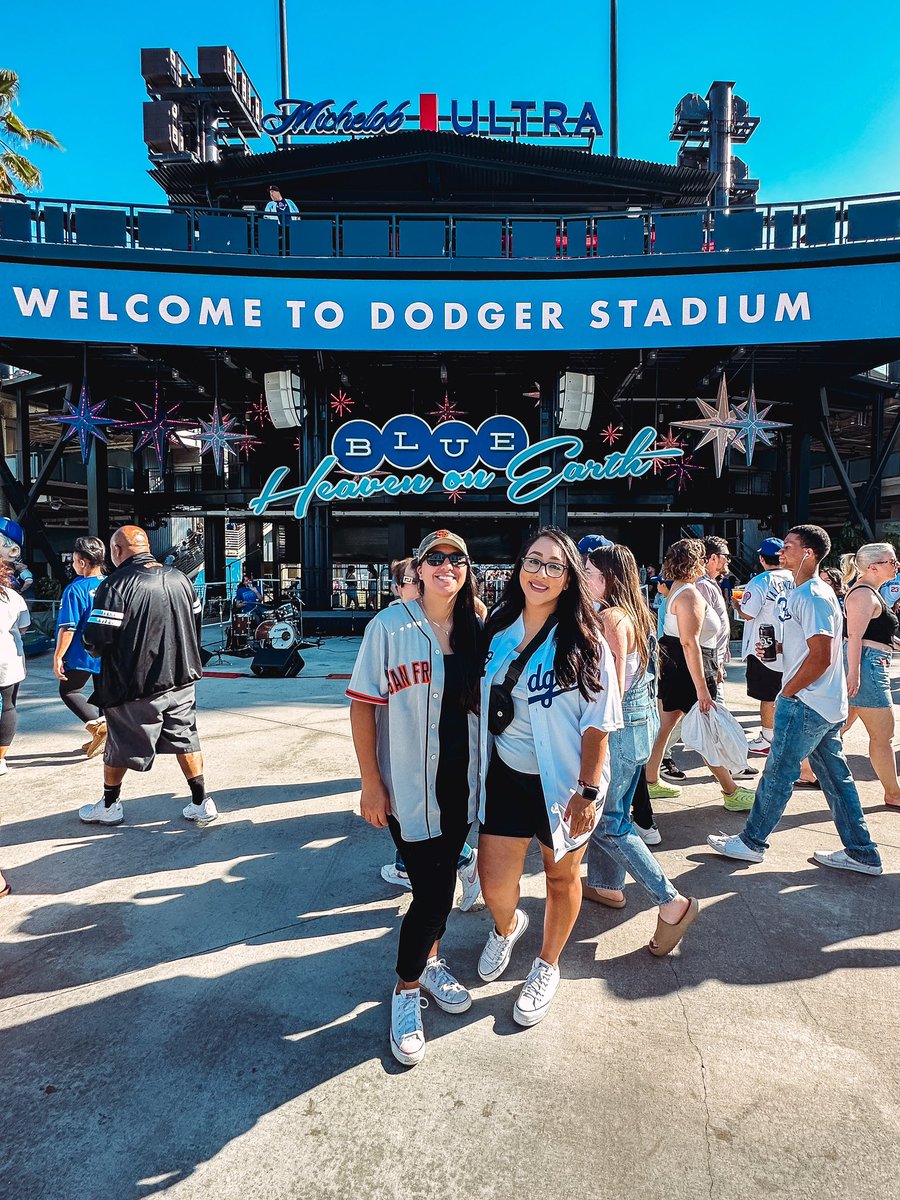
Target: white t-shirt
x=515 y=744
x=813 y=609
x=765 y=602
x=13 y=619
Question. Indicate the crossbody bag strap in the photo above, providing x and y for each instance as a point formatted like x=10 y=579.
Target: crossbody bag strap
x=517 y=666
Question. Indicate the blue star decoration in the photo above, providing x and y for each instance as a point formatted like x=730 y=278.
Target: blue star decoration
x=157 y=425
x=718 y=426
x=84 y=419
x=752 y=426
x=217 y=436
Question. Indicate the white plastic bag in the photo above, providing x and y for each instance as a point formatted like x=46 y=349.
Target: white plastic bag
x=716 y=736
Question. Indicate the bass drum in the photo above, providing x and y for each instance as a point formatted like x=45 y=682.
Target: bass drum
x=262 y=631
x=283 y=636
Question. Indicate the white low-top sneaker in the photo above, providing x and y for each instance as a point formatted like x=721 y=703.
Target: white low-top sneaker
x=390 y=874
x=537 y=992
x=444 y=989
x=407 y=1034
x=201 y=814
x=471 y=885
x=842 y=860
x=759 y=745
x=495 y=955
x=99 y=814
x=733 y=847
x=4 y=767
x=651 y=836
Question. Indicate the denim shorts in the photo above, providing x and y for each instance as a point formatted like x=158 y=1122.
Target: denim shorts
x=874 y=679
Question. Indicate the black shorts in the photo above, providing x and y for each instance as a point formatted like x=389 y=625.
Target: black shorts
x=762 y=682
x=676 y=687
x=514 y=804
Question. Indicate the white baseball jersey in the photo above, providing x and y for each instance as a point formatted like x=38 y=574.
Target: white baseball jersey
x=558 y=720
x=400 y=669
x=765 y=602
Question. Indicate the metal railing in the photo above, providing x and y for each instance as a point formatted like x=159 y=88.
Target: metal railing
x=433 y=235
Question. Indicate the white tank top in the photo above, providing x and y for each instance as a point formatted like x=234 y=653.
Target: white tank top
x=632 y=668
x=709 y=630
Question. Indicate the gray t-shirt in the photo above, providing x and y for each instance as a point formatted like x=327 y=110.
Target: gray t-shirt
x=813 y=609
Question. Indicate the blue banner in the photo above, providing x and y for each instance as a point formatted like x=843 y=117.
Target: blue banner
x=169 y=307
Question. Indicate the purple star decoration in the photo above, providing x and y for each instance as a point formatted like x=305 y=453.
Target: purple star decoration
x=85 y=420
x=217 y=436
x=157 y=426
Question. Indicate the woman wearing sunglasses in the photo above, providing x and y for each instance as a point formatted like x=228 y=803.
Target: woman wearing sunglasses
x=413 y=692
x=616 y=846
x=549 y=699
x=869 y=649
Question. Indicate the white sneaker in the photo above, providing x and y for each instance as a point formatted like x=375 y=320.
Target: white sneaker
x=445 y=990
x=537 y=992
x=842 y=860
x=471 y=885
x=651 y=836
x=759 y=745
x=390 y=874
x=495 y=955
x=407 y=1034
x=99 y=814
x=733 y=847
x=203 y=814
x=4 y=767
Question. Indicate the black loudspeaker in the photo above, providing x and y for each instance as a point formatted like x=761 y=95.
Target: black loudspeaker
x=277 y=664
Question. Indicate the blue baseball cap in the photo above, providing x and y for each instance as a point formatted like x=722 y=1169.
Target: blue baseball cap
x=12 y=529
x=593 y=541
x=771 y=547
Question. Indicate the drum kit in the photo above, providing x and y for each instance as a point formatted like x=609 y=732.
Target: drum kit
x=281 y=627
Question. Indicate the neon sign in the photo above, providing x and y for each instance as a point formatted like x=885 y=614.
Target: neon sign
x=462 y=456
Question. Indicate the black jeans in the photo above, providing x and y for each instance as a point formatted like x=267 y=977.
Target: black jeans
x=431 y=866
x=8 y=696
x=71 y=692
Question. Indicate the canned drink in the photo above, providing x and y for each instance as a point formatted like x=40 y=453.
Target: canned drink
x=767 y=642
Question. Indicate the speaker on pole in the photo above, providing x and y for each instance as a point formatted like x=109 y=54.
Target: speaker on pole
x=273 y=663
x=576 y=400
x=285 y=399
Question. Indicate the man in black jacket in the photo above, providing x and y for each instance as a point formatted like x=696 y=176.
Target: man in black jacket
x=145 y=628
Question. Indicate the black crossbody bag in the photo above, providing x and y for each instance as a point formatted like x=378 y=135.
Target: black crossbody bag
x=500 y=713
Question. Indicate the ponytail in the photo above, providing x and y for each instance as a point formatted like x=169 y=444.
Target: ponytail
x=849 y=570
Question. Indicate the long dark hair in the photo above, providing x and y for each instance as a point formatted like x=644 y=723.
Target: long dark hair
x=465 y=636
x=576 y=662
x=622 y=589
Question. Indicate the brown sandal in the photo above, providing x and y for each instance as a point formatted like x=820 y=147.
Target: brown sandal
x=668 y=936
x=592 y=893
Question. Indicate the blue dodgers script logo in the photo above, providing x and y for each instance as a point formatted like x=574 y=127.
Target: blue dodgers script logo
x=461 y=455
x=540 y=687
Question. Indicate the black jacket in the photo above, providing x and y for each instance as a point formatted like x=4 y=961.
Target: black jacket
x=145 y=628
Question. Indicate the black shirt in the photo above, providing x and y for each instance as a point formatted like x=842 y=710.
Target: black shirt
x=452 y=782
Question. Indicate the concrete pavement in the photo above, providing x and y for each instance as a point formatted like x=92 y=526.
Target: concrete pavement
x=204 y=1013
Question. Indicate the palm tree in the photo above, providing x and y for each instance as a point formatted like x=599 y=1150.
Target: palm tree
x=15 y=169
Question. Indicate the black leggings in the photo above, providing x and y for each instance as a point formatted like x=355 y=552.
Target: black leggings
x=8 y=696
x=431 y=866
x=71 y=692
x=641 y=808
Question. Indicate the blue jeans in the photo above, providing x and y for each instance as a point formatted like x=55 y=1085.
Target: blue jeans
x=801 y=733
x=615 y=846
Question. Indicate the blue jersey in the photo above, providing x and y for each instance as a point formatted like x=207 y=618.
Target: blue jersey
x=74 y=611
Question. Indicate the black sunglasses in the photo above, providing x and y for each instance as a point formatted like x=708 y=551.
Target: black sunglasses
x=437 y=558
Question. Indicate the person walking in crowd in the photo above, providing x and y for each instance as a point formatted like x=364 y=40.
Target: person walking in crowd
x=689 y=665
x=72 y=665
x=761 y=607
x=809 y=714
x=412 y=694
x=405 y=587
x=615 y=846
x=872 y=627
x=669 y=769
x=145 y=629
x=717 y=556
x=549 y=700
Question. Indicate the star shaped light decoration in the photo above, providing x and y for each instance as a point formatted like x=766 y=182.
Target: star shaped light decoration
x=681 y=472
x=217 y=436
x=454 y=495
x=718 y=425
x=85 y=419
x=667 y=442
x=611 y=434
x=157 y=425
x=752 y=426
x=258 y=412
x=247 y=443
x=447 y=410
x=341 y=403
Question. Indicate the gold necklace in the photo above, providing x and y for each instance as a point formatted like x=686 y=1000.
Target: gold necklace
x=437 y=624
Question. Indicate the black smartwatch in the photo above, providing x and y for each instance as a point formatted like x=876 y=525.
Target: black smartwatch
x=590 y=793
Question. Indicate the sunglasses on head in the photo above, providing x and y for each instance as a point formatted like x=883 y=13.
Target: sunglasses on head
x=437 y=558
x=554 y=570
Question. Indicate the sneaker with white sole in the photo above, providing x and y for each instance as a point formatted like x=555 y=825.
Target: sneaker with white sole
x=407 y=1034
x=842 y=860
x=444 y=989
x=99 y=814
x=495 y=955
x=740 y=800
x=662 y=791
x=390 y=874
x=734 y=847
x=201 y=814
x=4 y=767
x=537 y=991
x=471 y=885
x=747 y=772
x=759 y=745
x=651 y=836
x=670 y=771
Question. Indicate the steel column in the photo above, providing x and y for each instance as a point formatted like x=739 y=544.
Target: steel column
x=98 y=491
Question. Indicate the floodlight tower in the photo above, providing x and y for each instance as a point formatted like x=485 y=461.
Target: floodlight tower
x=708 y=129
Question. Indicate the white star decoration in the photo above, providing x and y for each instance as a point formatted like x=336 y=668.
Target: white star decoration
x=718 y=425
x=752 y=425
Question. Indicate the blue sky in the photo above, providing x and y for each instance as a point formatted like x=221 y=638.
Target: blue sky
x=821 y=75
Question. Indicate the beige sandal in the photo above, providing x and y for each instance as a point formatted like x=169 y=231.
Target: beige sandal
x=668 y=936
x=592 y=893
